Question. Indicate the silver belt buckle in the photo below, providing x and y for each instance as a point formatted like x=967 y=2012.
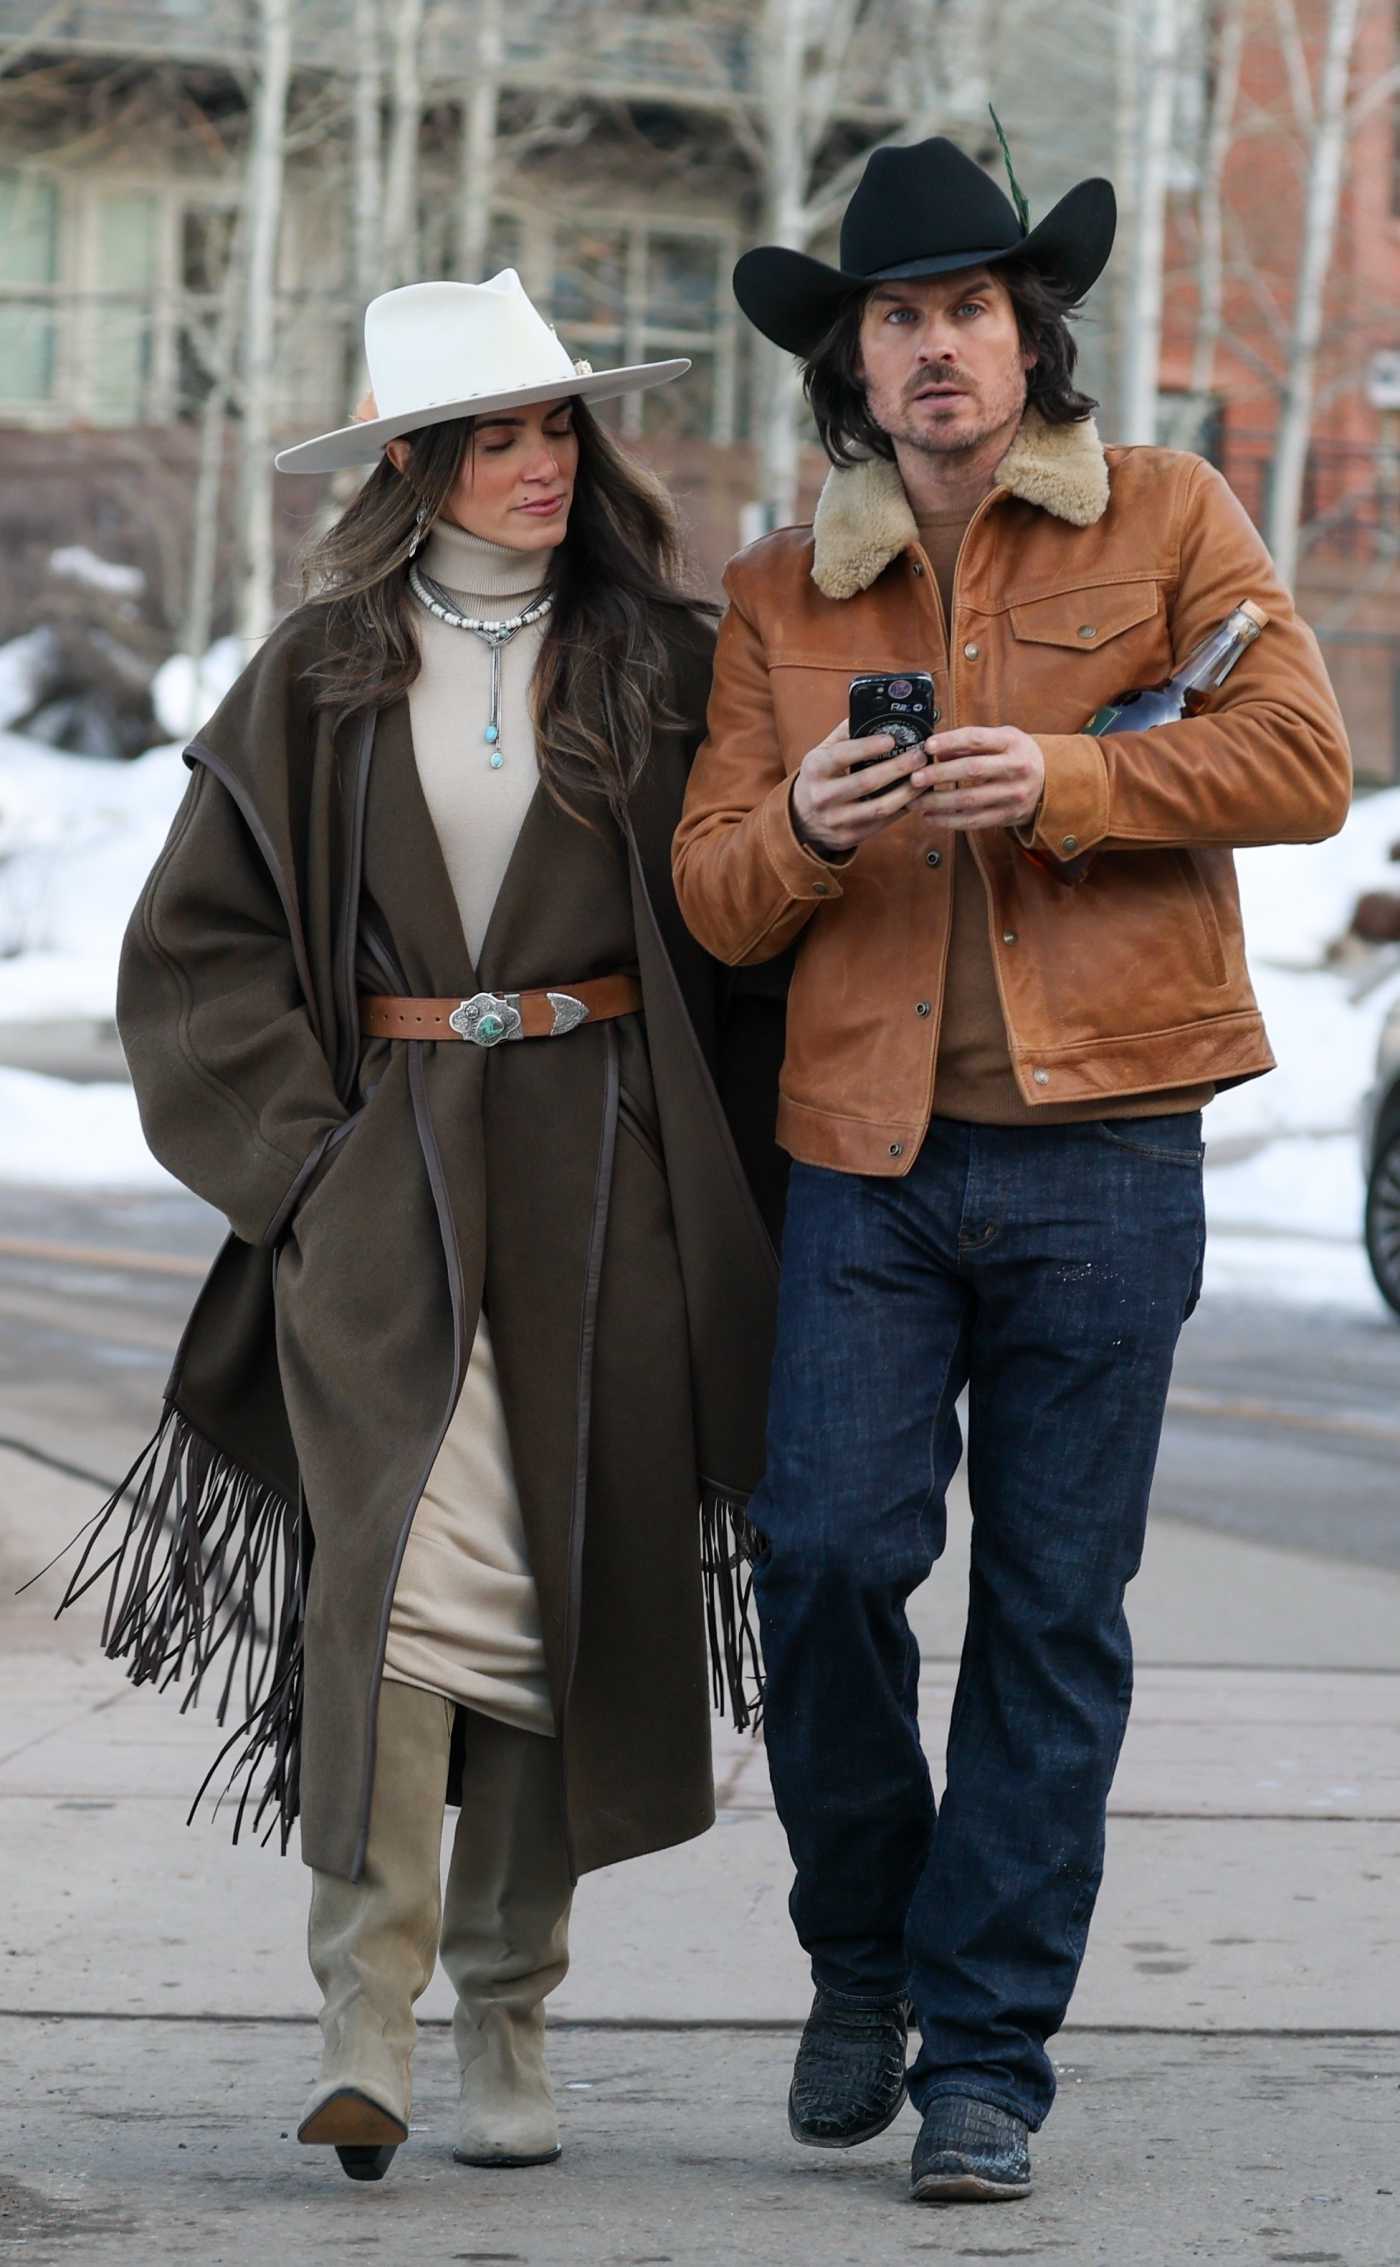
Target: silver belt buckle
x=487 y=1018
x=569 y=1013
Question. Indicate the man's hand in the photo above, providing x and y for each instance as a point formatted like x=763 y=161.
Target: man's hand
x=985 y=775
x=835 y=809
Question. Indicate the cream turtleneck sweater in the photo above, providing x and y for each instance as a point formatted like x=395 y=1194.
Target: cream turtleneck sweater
x=466 y=1620
x=477 y=812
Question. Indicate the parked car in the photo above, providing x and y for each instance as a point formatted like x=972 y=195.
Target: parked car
x=1380 y=1135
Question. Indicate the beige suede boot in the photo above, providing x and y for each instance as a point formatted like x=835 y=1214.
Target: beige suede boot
x=505 y=1941
x=373 y=1941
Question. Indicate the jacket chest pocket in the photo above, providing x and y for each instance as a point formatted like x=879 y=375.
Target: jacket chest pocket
x=810 y=698
x=1077 y=648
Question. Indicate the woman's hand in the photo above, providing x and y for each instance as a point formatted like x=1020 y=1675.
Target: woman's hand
x=834 y=809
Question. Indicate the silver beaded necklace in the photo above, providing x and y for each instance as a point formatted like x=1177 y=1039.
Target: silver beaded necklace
x=496 y=635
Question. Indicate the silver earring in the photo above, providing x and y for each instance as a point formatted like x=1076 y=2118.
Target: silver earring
x=420 y=530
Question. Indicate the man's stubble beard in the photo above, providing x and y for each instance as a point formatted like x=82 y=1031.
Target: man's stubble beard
x=966 y=445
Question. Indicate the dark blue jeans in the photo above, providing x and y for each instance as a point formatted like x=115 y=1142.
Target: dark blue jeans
x=1049 y=1270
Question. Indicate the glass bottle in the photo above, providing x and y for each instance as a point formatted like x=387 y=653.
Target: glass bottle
x=1185 y=693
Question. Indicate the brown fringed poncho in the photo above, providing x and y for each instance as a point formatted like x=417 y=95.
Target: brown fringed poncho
x=586 y=1191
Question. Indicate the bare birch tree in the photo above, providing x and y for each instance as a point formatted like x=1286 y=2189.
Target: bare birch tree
x=481 y=100
x=789 y=123
x=216 y=356
x=544 y=120
x=807 y=48
x=1322 y=197
x=1154 y=108
x=264 y=213
x=1210 y=215
x=401 y=168
x=367 y=194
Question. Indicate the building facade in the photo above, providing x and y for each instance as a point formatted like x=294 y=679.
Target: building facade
x=630 y=168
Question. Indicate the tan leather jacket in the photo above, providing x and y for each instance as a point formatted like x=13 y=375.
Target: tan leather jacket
x=1085 y=572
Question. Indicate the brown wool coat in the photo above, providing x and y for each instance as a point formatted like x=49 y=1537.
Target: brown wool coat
x=587 y=1191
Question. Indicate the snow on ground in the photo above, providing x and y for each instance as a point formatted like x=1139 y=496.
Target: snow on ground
x=1285 y=1219
x=1294 y=1270
x=75 y=563
x=77 y=839
x=56 y=1134
x=23 y=663
x=184 y=693
x=1298 y=897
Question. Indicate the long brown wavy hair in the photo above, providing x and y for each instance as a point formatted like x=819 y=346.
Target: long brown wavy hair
x=603 y=686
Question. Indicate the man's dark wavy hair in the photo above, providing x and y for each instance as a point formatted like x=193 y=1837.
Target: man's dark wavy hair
x=1043 y=309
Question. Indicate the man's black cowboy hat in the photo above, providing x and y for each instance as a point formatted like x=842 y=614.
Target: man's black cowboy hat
x=922 y=212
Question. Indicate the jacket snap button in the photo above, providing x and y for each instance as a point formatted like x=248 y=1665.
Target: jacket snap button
x=1088 y=629
x=1042 y=1078
x=933 y=857
x=1069 y=842
x=917 y=568
x=1008 y=936
x=923 y=1008
x=970 y=652
x=822 y=889
x=896 y=1149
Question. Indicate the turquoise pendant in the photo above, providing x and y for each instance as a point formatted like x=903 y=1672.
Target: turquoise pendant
x=497 y=760
x=492 y=732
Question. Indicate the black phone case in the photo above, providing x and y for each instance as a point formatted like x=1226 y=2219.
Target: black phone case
x=900 y=703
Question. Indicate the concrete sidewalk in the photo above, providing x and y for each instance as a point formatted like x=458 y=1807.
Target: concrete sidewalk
x=142 y=2142
x=1231 y=2074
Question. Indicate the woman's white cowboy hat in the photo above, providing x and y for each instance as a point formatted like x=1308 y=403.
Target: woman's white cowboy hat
x=436 y=351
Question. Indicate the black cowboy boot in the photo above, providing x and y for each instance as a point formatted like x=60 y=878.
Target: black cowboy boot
x=969 y=2153
x=848 y=2081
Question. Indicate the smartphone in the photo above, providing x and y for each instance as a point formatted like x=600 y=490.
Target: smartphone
x=903 y=706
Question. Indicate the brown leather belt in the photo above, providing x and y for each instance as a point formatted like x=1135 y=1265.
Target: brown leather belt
x=490 y=1017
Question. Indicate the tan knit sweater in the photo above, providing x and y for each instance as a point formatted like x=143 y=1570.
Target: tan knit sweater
x=478 y=812
x=465 y=1620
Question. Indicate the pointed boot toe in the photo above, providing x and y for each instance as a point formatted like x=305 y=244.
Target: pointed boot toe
x=848 y=2083
x=363 y=2133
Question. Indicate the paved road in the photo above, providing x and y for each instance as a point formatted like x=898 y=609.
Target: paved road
x=1285 y=1424
x=1230 y=2076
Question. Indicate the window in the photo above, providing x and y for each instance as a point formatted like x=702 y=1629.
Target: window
x=28 y=276
x=682 y=283
x=686 y=408
x=440 y=245
x=590 y=281
x=127 y=247
x=1190 y=421
x=504 y=246
x=205 y=245
x=687 y=276
x=626 y=292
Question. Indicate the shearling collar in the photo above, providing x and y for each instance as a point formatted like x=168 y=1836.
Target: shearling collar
x=863 y=519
